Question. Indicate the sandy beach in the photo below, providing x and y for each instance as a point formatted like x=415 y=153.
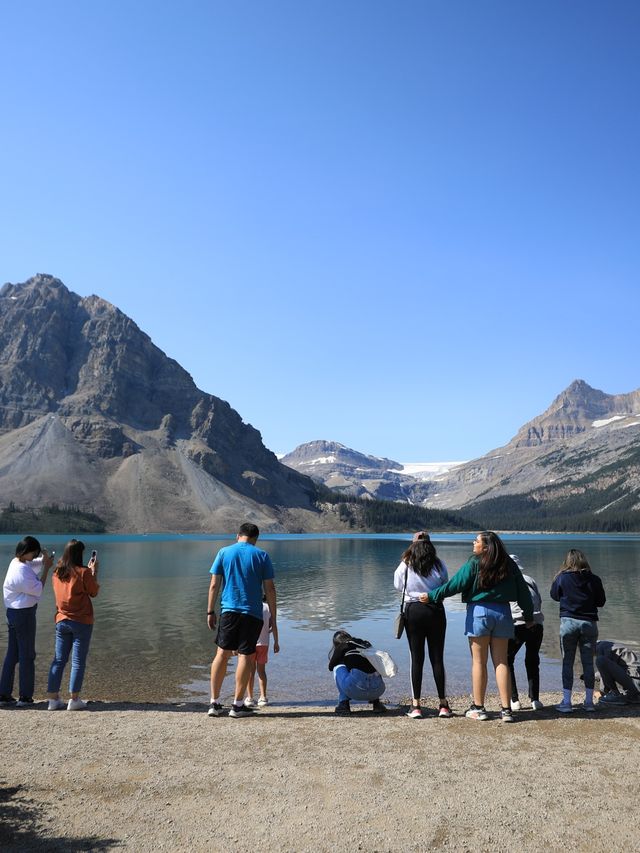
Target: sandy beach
x=167 y=777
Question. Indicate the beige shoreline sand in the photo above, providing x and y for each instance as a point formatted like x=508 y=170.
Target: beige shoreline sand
x=168 y=777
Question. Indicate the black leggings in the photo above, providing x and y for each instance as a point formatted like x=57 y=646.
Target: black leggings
x=531 y=639
x=426 y=622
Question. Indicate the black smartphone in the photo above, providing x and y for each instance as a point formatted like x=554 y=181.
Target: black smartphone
x=94 y=554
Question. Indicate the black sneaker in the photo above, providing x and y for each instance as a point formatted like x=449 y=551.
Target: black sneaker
x=24 y=701
x=343 y=708
x=7 y=700
x=378 y=707
x=506 y=716
x=242 y=711
x=215 y=710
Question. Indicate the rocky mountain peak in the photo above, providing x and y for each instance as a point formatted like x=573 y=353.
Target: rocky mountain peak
x=574 y=411
x=322 y=453
x=581 y=397
x=79 y=368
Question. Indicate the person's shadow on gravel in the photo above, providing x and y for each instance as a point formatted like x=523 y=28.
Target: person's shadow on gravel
x=23 y=822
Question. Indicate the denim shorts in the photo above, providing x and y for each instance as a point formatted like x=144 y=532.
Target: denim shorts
x=489 y=620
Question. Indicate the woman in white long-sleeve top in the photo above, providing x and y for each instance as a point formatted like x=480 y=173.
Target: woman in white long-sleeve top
x=22 y=589
x=425 y=623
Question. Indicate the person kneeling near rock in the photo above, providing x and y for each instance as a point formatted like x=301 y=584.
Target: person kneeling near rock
x=356 y=678
x=617 y=664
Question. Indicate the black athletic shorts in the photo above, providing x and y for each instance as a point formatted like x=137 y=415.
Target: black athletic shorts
x=238 y=632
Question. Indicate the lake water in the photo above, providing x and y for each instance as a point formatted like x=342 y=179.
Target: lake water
x=151 y=641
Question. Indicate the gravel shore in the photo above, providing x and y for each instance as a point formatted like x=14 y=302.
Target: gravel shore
x=167 y=777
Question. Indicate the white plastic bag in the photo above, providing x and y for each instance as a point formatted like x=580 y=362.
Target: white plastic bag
x=381 y=661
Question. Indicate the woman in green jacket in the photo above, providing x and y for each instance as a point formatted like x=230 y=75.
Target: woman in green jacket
x=488 y=581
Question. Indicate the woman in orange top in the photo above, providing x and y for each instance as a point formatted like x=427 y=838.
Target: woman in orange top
x=74 y=585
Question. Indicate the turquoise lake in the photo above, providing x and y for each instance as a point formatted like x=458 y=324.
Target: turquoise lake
x=151 y=641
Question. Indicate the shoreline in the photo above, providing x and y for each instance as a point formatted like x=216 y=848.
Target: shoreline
x=148 y=776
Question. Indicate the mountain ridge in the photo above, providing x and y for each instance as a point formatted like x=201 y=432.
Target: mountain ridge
x=93 y=413
x=352 y=472
x=574 y=466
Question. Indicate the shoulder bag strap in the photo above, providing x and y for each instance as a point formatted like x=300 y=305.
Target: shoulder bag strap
x=404 y=589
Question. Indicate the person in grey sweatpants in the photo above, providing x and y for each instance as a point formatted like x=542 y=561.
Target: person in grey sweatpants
x=617 y=664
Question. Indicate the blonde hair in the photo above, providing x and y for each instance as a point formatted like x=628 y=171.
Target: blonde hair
x=575 y=561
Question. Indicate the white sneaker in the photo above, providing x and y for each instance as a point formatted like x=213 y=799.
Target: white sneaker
x=515 y=706
x=249 y=702
x=56 y=705
x=263 y=701
x=537 y=705
x=76 y=705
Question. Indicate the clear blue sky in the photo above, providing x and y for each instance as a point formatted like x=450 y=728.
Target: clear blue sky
x=405 y=226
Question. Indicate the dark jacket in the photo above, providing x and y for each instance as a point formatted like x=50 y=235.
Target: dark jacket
x=579 y=593
x=349 y=655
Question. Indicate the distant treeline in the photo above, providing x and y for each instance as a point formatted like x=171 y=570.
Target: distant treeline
x=49 y=519
x=588 y=510
x=576 y=512
x=391 y=516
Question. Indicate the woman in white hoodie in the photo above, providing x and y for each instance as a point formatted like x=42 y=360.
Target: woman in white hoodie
x=22 y=589
x=420 y=571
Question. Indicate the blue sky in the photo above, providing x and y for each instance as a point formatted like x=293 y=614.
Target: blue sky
x=403 y=226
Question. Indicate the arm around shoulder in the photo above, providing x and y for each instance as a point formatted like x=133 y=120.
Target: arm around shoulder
x=461 y=581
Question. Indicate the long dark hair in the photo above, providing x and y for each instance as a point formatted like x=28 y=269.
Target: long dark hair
x=494 y=562
x=342 y=638
x=421 y=556
x=26 y=546
x=575 y=561
x=71 y=557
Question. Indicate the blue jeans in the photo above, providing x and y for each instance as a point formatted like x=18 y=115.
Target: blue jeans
x=21 y=648
x=575 y=633
x=70 y=636
x=357 y=685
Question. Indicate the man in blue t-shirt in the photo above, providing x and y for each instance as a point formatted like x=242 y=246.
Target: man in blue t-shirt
x=244 y=573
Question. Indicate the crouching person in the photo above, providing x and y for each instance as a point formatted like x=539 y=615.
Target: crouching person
x=618 y=666
x=356 y=678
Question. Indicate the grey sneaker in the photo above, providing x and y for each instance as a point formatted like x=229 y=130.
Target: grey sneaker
x=477 y=712
x=536 y=705
x=506 y=716
x=56 y=705
x=215 y=710
x=564 y=708
x=589 y=706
